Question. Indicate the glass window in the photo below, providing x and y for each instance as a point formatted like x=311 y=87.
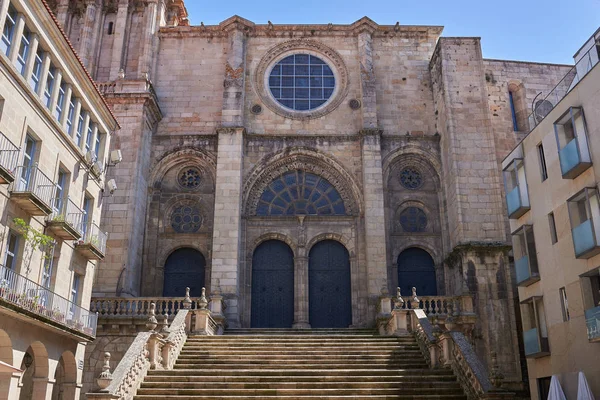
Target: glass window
x=75 y=295
x=79 y=131
x=36 y=74
x=552 y=224
x=543 y=169
x=300 y=193
x=70 y=116
x=58 y=112
x=564 y=304
x=301 y=82
x=513 y=113
x=9 y=29
x=89 y=136
x=87 y=213
x=59 y=197
x=28 y=161
x=23 y=53
x=12 y=250
x=49 y=86
x=98 y=144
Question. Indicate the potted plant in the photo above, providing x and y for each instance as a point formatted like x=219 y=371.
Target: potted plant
x=4 y=288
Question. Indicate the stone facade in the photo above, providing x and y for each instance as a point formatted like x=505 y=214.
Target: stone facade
x=407 y=105
x=51 y=200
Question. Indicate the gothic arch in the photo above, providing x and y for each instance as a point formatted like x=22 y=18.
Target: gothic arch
x=205 y=161
x=346 y=242
x=165 y=253
x=185 y=199
x=6 y=350
x=304 y=159
x=413 y=155
x=429 y=213
x=271 y=236
x=433 y=252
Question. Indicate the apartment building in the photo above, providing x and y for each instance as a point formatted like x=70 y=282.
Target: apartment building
x=55 y=132
x=552 y=194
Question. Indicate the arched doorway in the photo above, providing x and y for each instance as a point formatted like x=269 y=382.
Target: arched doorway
x=65 y=377
x=416 y=269
x=184 y=268
x=272 y=285
x=34 y=380
x=329 y=291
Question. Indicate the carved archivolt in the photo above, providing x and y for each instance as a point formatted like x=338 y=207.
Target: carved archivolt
x=205 y=162
x=304 y=160
x=275 y=54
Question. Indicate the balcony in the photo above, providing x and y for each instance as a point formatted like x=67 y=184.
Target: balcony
x=584 y=213
x=592 y=320
x=571 y=137
x=33 y=190
x=515 y=184
x=67 y=223
x=27 y=297
x=9 y=157
x=535 y=345
x=93 y=244
x=526 y=265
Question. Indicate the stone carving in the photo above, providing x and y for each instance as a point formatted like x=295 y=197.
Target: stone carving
x=164 y=326
x=411 y=178
x=187 y=302
x=398 y=302
x=152 y=322
x=260 y=76
x=234 y=77
x=203 y=301
x=186 y=219
x=413 y=219
x=105 y=377
x=416 y=303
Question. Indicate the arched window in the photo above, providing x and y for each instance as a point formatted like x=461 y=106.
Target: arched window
x=111 y=28
x=184 y=268
x=417 y=269
x=300 y=193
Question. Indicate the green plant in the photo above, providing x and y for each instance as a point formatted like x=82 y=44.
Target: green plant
x=58 y=218
x=35 y=238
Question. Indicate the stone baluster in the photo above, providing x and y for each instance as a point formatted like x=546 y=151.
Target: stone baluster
x=152 y=322
x=415 y=303
x=203 y=301
x=187 y=302
x=399 y=315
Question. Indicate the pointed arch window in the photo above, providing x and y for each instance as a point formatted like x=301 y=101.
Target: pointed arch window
x=300 y=193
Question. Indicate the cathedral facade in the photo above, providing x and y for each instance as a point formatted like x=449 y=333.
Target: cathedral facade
x=305 y=171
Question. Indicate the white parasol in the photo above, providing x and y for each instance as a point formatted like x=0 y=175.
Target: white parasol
x=583 y=391
x=556 y=392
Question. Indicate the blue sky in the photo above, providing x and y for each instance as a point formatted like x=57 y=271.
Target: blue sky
x=528 y=30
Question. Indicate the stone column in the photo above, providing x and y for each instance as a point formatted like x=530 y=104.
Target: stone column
x=3 y=10
x=66 y=101
x=16 y=39
x=44 y=75
x=62 y=13
x=33 y=48
x=87 y=32
x=374 y=220
x=227 y=220
x=301 y=317
x=119 y=39
x=55 y=89
x=148 y=33
x=367 y=76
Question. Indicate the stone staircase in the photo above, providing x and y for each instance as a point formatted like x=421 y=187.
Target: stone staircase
x=290 y=364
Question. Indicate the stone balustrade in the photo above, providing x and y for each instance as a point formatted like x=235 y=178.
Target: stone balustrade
x=136 y=306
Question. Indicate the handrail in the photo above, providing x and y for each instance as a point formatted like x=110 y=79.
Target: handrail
x=568 y=82
x=9 y=154
x=33 y=180
x=137 y=306
x=69 y=213
x=95 y=237
x=20 y=291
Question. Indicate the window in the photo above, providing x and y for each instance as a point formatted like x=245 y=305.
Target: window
x=89 y=136
x=70 y=116
x=301 y=82
x=590 y=285
x=535 y=332
x=413 y=219
x=58 y=111
x=512 y=111
x=28 y=161
x=36 y=74
x=59 y=197
x=544 y=387
x=75 y=295
x=515 y=185
x=564 y=304
x=111 y=27
x=79 y=131
x=12 y=251
x=48 y=269
x=584 y=213
x=98 y=145
x=49 y=86
x=526 y=264
x=9 y=29
x=571 y=138
x=552 y=224
x=87 y=213
x=543 y=169
x=23 y=53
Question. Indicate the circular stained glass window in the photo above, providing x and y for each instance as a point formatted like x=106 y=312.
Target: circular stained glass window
x=413 y=219
x=189 y=178
x=302 y=82
x=186 y=219
x=411 y=178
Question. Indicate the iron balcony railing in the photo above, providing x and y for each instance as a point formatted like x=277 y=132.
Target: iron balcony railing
x=68 y=213
x=95 y=237
x=568 y=82
x=33 y=180
x=9 y=154
x=30 y=296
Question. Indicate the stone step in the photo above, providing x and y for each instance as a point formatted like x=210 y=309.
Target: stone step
x=299 y=365
x=308 y=397
x=294 y=332
x=291 y=374
x=301 y=385
x=292 y=353
x=298 y=392
x=301 y=357
x=155 y=376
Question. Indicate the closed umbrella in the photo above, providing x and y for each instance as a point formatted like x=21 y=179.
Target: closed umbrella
x=583 y=389
x=556 y=392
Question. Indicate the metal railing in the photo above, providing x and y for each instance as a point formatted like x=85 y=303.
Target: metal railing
x=568 y=82
x=9 y=154
x=33 y=180
x=69 y=213
x=30 y=296
x=94 y=236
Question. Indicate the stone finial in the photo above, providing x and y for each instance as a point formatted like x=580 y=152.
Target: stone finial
x=187 y=302
x=415 y=300
x=105 y=377
x=152 y=322
x=398 y=302
x=203 y=301
x=164 y=326
x=121 y=74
